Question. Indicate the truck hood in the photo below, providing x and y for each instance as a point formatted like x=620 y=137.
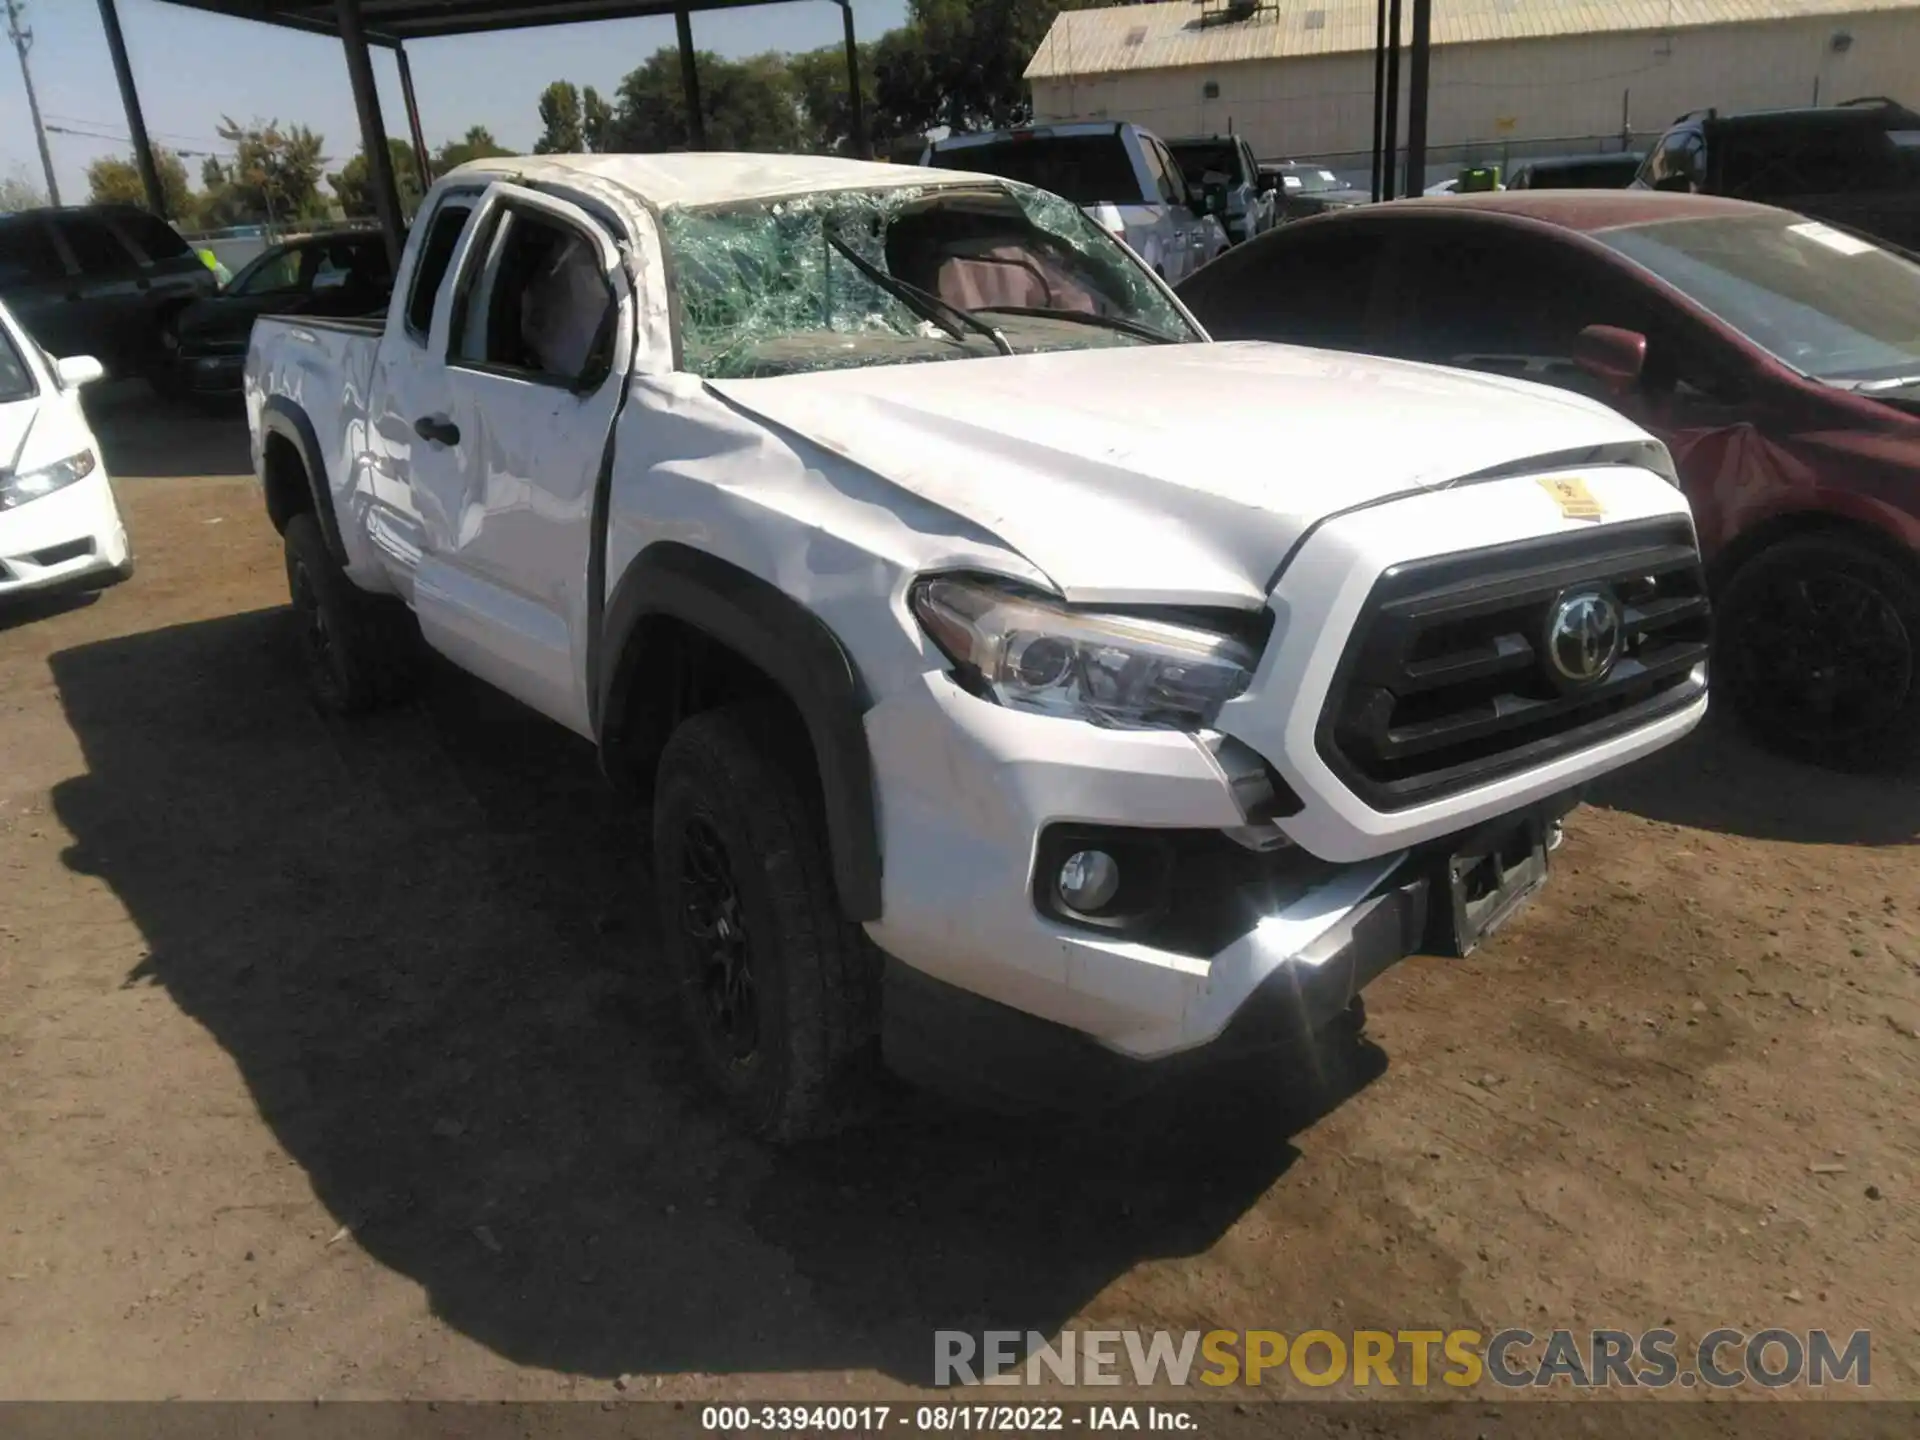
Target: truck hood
x=1172 y=473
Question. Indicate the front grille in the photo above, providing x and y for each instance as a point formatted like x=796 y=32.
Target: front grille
x=1447 y=683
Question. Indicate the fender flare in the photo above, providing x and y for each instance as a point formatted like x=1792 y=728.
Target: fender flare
x=281 y=416
x=788 y=643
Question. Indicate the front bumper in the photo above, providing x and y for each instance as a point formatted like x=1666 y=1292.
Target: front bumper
x=70 y=540
x=948 y=1039
x=968 y=791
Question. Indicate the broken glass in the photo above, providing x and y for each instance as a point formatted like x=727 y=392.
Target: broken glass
x=761 y=289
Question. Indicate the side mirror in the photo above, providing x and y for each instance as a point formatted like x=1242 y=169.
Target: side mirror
x=77 y=370
x=1613 y=356
x=1677 y=183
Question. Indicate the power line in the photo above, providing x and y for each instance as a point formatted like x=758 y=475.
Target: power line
x=184 y=154
x=88 y=121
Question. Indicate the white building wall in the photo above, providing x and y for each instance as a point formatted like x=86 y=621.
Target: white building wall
x=1511 y=91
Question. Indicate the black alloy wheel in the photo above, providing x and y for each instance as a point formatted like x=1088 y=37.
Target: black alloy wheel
x=1819 y=650
x=714 y=923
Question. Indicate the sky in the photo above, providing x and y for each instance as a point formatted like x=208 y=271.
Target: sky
x=191 y=68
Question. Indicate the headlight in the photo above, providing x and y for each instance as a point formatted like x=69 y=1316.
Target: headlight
x=16 y=490
x=1034 y=654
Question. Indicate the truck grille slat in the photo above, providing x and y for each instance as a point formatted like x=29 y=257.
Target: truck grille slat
x=1448 y=681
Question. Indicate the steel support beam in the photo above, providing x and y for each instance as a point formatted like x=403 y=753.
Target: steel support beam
x=373 y=130
x=1389 y=171
x=860 y=142
x=690 y=79
x=420 y=166
x=1379 y=91
x=1419 y=58
x=130 y=102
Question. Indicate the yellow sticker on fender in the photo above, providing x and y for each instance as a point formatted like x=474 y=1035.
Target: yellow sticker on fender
x=1576 y=502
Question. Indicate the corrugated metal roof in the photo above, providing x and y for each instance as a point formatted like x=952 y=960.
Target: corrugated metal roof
x=1157 y=37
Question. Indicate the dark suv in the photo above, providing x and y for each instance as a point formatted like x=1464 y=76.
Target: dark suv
x=100 y=280
x=1856 y=164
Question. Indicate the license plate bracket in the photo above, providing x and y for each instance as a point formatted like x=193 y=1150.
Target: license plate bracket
x=1493 y=874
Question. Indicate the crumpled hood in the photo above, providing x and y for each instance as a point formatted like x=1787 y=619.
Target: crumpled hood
x=1140 y=473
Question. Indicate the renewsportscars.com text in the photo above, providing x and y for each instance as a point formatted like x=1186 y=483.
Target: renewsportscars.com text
x=1379 y=1359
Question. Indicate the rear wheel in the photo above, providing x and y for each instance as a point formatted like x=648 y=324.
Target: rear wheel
x=779 y=988
x=358 y=648
x=1819 y=651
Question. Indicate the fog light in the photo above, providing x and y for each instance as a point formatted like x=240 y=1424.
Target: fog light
x=1088 y=881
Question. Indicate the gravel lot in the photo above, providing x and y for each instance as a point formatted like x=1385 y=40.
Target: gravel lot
x=333 y=1063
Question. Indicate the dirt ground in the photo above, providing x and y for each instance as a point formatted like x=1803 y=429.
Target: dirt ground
x=333 y=1063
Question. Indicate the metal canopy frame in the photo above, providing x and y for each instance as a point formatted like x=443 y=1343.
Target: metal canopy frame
x=360 y=25
x=1388 y=178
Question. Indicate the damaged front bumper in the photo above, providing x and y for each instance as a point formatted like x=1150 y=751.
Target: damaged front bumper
x=1251 y=951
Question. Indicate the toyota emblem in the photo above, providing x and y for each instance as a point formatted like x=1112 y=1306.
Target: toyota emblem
x=1583 y=636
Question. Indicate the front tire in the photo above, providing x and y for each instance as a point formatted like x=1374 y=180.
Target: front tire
x=1819 y=652
x=780 y=989
x=356 y=648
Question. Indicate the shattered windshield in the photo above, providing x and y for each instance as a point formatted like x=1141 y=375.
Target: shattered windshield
x=767 y=287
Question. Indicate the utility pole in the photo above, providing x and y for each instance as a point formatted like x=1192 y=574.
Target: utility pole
x=23 y=41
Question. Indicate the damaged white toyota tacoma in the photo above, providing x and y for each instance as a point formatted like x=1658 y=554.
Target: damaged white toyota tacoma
x=893 y=533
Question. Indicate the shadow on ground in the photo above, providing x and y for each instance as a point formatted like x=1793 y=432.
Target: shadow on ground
x=1717 y=780
x=144 y=436
x=424 y=942
x=25 y=609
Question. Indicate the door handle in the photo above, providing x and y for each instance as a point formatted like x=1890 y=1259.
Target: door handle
x=434 y=430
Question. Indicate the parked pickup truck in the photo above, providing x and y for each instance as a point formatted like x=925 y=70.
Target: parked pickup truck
x=990 y=726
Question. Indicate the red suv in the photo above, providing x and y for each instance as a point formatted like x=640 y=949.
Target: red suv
x=1778 y=357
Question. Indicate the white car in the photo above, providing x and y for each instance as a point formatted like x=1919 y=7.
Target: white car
x=988 y=721
x=60 y=528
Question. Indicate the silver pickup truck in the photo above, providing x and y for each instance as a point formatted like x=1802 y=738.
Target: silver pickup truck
x=1124 y=177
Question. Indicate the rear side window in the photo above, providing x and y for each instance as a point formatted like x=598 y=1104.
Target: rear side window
x=27 y=255
x=1086 y=169
x=539 y=307
x=1197 y=159
x=449 y=221
x=1806 y=160
x=150 y=236
x=1306 y=287
x=1168 y=178
x=97 y=249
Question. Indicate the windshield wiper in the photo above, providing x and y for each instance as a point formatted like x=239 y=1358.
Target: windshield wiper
x=1087 y=317
x=920 y=300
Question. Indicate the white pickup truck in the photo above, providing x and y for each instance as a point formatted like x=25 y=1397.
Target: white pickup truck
x=877 y=525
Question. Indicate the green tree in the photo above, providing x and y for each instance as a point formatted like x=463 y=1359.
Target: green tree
x=477 y=144
x=274 y=175
x=561 y=129
x=595 y=116
x=115 y=180
x=19 y=193
x=747 y=104
x=963 y=62
x=353 y=184
x=819 y=79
